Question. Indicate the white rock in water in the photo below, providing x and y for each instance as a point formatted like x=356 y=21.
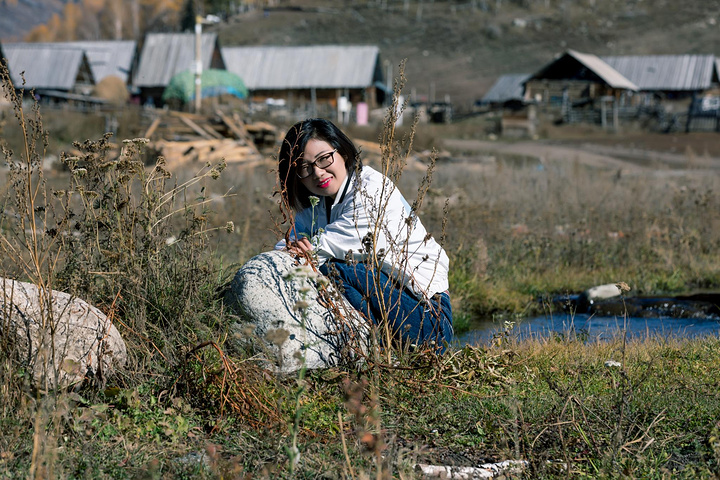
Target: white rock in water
x=280 y=298
x=602 y=292
x=61 y=344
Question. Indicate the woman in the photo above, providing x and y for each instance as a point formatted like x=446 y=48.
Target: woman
x=364 y=235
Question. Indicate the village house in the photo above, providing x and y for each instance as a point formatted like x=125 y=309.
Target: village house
x=108 y=58
x=54 y=71
x=508 y=91
x=166 y=54
x=589 y=88
x=669 y=80
x=318 y=78
x=574 y=77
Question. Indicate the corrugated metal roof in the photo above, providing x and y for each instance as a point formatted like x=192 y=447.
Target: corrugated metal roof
x=105 y=57
x=507 y=87
x=165 y=54
x=46 y=66
x=666 y=72
x=322 y=66
x=108 y=57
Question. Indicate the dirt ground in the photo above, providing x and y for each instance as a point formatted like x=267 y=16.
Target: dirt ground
x=657 y=154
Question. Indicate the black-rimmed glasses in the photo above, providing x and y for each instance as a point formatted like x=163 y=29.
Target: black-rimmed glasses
x=306 y=169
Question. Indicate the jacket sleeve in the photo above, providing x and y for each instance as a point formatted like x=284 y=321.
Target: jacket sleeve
x=302 y=222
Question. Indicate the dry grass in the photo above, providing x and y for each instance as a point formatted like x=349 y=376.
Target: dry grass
x=188 y=407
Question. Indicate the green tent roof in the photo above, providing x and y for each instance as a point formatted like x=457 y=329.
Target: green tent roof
x=214 y=82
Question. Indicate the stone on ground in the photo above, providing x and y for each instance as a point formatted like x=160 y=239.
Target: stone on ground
x=288 y=319
x=59 y=339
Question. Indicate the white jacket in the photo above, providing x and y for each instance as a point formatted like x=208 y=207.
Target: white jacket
x=375 y=206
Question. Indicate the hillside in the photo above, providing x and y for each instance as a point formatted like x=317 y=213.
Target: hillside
x=462 y=50
x=18 y=17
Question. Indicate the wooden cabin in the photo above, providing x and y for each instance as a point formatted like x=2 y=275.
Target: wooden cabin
x=310 y=76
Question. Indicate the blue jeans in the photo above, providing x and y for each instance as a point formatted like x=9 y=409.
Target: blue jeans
x=412 y=321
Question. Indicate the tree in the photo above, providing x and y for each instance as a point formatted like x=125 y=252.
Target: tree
x=187 y=20
x=109 y=19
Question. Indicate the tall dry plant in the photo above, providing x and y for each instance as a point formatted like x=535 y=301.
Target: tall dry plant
x=126 y=238
x=31 y=255
x=129 y=239
x=139 y=242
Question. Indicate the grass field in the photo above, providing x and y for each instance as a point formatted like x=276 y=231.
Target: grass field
x=191 y=404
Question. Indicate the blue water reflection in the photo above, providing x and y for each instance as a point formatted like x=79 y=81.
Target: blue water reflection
x=593 y=328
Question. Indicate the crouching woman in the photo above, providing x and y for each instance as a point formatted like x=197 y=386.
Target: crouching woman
x=364 y=235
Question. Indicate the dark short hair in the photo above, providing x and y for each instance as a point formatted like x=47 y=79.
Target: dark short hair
x=291 y=151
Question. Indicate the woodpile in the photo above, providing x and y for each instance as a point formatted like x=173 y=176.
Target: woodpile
x=185 y=138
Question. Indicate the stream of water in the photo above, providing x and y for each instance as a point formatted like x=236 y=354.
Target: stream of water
x=593 y=328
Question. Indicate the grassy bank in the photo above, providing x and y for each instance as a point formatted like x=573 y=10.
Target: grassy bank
x=557 y=403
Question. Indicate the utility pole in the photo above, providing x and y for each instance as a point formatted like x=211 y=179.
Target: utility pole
x=388 y=82
x=198 y=62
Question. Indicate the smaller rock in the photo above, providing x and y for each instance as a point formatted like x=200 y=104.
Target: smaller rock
x=59 y=338
x=486 y=470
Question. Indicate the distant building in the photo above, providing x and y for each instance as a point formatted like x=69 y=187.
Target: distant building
x=508 y=90
x=671 y=80
x=588 y=88
x=59 y=70
x=165 y=54
x=52 y=70
x=518 y=115
x=633 y=79
x=310 y=75
x=108 y=58
x=574 y=76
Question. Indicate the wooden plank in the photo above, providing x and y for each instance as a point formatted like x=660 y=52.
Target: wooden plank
x=152 y=128
x=212 y=132
x=241 y=154
x=368 y=147
x=238 y=130
x=195 y=127
x=261 y=126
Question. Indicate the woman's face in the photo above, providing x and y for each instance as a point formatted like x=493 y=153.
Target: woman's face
x=323 y=182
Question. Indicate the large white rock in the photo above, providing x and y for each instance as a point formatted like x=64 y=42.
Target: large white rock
x=603 y=292
x=59 y=339
x=289 y=319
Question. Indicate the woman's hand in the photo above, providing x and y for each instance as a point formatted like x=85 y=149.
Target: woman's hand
x=299 y=247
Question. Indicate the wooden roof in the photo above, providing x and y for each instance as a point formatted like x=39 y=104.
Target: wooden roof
x=165 y=54
x=284 y=68
x=583 y=66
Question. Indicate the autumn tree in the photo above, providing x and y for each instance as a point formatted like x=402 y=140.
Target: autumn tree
x=109 y=20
